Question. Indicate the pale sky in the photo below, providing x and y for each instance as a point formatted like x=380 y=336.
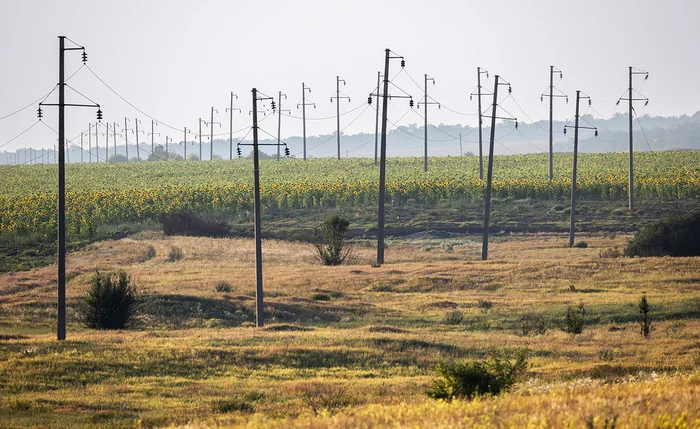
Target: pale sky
x=176 y=59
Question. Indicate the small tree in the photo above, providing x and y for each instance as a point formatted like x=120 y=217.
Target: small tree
x=109 y=303
x=644 y=317
x=330 y=241
x=574 y=319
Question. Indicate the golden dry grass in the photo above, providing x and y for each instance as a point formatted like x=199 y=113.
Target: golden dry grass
x=372 y=346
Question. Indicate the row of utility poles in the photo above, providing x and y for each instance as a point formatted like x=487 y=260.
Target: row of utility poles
x=256 y=97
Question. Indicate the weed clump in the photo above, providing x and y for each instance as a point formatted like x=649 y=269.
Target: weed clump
x=581 y=244
x=330 y=241
x=673 y=236
x=574 y=319
x=175 y=254
x=531 y=324
x=454 y=317
x=468 y=379
x=223 y=286
x=109 y=303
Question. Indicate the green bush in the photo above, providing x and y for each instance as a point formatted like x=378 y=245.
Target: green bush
x=223 y=286
x=330 y=241
x=673 y=236
x=581 y=244
x=644 y=317
x=454 y=317
x=175 y=254
x=574 y=319
x=109 y=303
x=531 y=323
x=467 y=379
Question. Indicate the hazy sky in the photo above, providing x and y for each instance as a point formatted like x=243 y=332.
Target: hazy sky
x=176 y=59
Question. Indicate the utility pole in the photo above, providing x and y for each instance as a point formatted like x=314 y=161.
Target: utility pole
x=61 y=239
x=97 y=145
x=425 y=117
x=136 y=122
x=259 y=309
x=382 y=161
x=126 y=138
x=573 y=177
x=304 y=88
x=551 y=96
x=153 y=147
x=211 y=130
x=200 y=138
x=166 y=147
x=460 y=144
x=90 y=142
x=279 y=121
x=230 y=123
x=184 y=142
x=107 y=142
x=114 y=137
x=489 y=173
x=479 y=72
x=376 y=120
x=337 y=105
x=81 y=147
x=630 y=98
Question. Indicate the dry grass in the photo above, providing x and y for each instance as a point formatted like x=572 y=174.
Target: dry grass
x=368 y=352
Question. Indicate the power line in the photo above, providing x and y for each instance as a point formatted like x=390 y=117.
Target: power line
x=20 y=134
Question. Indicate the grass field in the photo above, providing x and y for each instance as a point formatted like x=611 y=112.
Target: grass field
x=355 y=345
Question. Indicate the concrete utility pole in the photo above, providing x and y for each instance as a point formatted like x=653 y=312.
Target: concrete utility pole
x=460 y=144
x=166 y=147
x=211 y=131
x=478 y=94
x=630 y=98
x=153 y=133
x=184 y=142
x=61 y=239
x=138 y=155
x=126 y=138
x=338 y=97
x=304 y=88
x=551 y=96
x=107 y=142
x=382 y=160
x=200 y=137
x=230 y=128
x=376 y=121
x=489 y=173
x=114 y=136
x=425 y=117
x=90 y=142
x=97 y=145
x=574 y=169
x=81 y=148
x=279 y=121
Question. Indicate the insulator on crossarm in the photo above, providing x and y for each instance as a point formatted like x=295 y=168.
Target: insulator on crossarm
x=567 y=99
x=541 y=99
x=84 y=56
x=39 y=113
x=238 y=151
x=564 y=130
x=369 y=100
x=589 y=102
x=516 y=125
x=410 y=103
x=99 y=114
x=403 y=63
x=510 y=90
x=286 y=151
x=596 y=133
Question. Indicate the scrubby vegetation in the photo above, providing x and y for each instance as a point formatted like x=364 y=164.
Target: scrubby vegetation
x=109 y=303
x=673 y=236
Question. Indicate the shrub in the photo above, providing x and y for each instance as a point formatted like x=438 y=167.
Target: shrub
x=581 y=244
x=484 y=304
x=191 y=224
x=321 y=297
x=109 y=303
x=330 y=241
x=644 y=317
x=574 y=319
x=224 y=287
x=454 y=317
x=609 y=252
x=673 y=236
x=150 y=253
x=324 y=396
x=467 y=379
x=532 y=324
x=175 y=254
